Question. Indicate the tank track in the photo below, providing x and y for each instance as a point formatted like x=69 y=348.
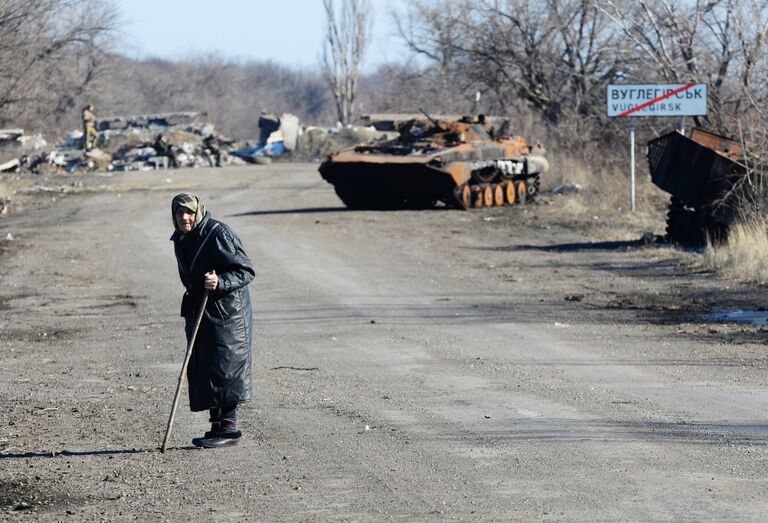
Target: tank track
x=692 y=227
x=497 y=184
x=510 y=192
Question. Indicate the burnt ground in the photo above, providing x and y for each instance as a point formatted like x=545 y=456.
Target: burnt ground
x=499 y=364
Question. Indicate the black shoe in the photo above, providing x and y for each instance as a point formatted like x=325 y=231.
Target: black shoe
x=215 y=429
x=220 y=439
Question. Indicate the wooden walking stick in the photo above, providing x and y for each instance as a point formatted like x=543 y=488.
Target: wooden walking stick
x=187 y=356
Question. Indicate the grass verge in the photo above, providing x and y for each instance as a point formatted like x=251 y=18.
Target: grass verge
x=744 y=256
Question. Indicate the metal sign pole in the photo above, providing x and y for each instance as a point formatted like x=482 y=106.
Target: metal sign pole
x=653 y=100
x=632 y=163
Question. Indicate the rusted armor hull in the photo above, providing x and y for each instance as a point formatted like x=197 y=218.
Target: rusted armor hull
x=451 y=164
x=700 y=173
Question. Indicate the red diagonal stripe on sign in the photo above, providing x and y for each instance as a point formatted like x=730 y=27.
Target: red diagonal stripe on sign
x=656 y=100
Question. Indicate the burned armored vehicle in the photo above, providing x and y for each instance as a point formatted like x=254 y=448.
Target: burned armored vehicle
x=458 y=164
x=702 y=173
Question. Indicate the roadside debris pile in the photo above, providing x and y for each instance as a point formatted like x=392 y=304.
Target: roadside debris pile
x=276 y=136
x=564 y=188
x=15 y=145
x=142 y=142
x=124 y=143
x=285 y=138
x=178 y=139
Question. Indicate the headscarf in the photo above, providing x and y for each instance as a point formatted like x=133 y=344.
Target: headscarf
x=191 y=202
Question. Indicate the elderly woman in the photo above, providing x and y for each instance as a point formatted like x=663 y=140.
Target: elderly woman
x=210 y=256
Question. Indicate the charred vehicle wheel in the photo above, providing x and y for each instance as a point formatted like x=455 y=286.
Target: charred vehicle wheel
x=522 y=191
x=510 y=193
x=488 y=196
x=498 y=195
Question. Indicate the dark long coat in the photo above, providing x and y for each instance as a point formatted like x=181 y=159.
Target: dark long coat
x=219 y=371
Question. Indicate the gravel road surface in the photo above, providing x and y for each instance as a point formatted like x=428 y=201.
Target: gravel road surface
x=496 y=364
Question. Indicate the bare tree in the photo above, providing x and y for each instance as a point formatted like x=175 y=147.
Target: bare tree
x=750 y=27
x=231 y=92
x=346 y=39
x=435 y=33
x=555 y=55
x=51 y=54
x=718 y=42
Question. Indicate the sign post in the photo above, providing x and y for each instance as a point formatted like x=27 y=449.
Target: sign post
x=654 y=100
x=632 y=163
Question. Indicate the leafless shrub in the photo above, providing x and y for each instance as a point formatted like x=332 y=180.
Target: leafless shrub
x=231 y=93
x=555 y=55
x=742 y=254
x=404 y=89
x=745 y=201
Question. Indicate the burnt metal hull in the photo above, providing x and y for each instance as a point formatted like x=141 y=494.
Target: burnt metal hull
x=443 y=168
x=694 y=169
x=365 y=185
x=701 y=174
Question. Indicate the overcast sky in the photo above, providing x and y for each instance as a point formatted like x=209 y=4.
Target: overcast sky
x=289 y=32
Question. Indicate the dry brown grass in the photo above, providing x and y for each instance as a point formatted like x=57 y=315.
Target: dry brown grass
x=744 y=256
x=602 y=205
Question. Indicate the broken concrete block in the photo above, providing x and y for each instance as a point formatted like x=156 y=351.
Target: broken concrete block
x=10 y=166
x=101 y=160
x=289 y=126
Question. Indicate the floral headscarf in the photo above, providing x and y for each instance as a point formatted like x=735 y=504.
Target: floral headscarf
x=191 y=202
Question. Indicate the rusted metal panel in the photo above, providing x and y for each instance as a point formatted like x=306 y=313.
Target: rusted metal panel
x=725 y=146
x=693 y=170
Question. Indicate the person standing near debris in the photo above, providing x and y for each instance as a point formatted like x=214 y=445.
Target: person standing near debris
x=211 y=257
x=163 y=148
x=212 y=149
x=90 y=134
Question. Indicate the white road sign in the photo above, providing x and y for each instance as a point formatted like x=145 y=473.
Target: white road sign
x=657 y=100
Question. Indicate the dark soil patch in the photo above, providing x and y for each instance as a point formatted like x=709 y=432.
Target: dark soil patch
x=37 y=335
x=31 y=495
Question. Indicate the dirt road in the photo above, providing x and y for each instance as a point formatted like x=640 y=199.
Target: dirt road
x=484 y=365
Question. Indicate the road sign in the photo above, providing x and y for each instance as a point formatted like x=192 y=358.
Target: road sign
x=657 y=100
